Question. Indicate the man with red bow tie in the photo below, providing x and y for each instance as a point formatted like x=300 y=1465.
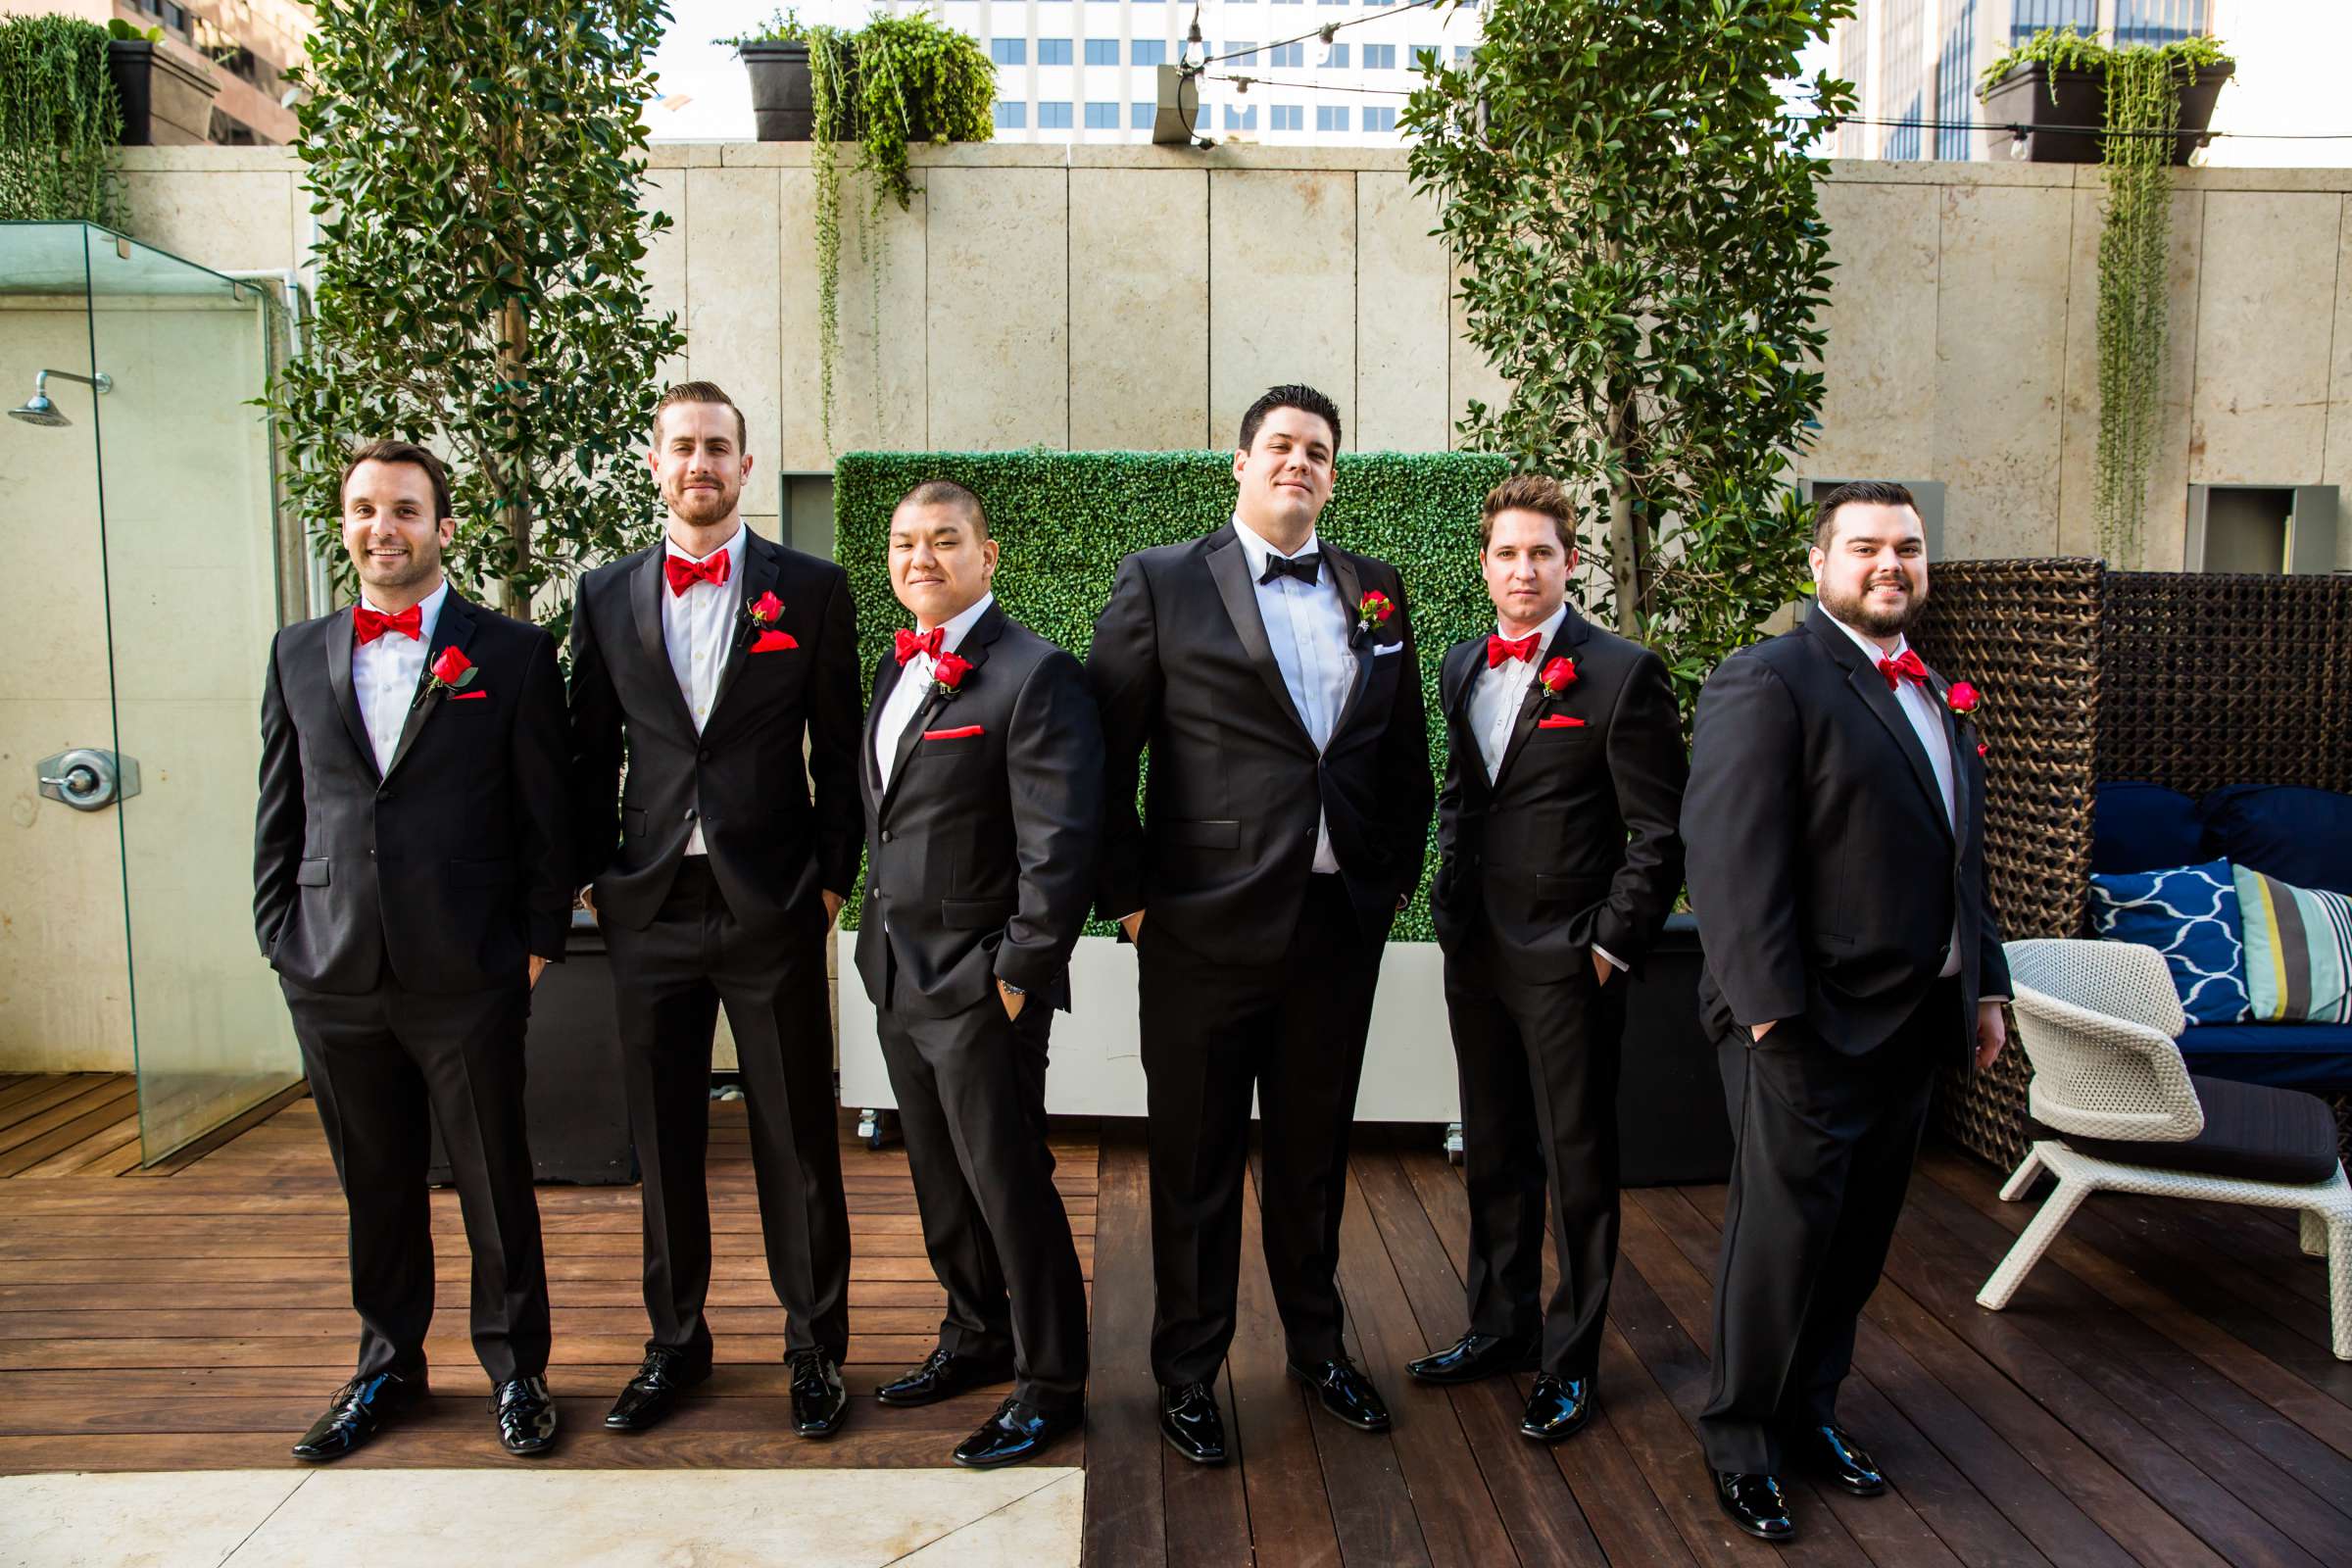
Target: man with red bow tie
x=410 y=880
x=1836 y=823
x=711 y=661
x=1558 y=863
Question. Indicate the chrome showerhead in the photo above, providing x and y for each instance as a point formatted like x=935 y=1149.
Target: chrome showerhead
x=41 y=410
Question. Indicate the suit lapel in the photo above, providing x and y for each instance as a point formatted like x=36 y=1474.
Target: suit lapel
x=1229 y=565
x=1564 y=643
x=338 y=676
x=452 y=629
x=1360 y=641
x=1457 y=678
x=886 y=680
x=759 y=572
x=647 y=585
x=1862 y=674
x=973 y=649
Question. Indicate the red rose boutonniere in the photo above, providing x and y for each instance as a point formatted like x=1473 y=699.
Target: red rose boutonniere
x=947 y=676
x=1374 y=611
x=1557 y=677
x=760 y=624
x=451 y=672
x=1961 y=698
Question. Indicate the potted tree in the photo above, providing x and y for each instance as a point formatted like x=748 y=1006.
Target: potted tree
x=2063 y=78
x=777 y=57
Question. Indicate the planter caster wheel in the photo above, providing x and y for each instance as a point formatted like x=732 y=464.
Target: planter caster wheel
x=1454 y=1143
x=876 y=1128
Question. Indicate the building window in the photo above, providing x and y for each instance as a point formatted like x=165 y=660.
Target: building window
x=1053 y=51
x=1101 y=116
x=2157 y=23
x=1331 y=117
x=1239 y=51
x=1240 y=119
x=1008 y=51
x=1052 y=117
x=1955 y=83
x=1462 y=52
x=1379 y=57
x=1101 y=51
x=1011 y=114
x=1424 y=57
x=1147 y=52
x=1285 y=117
x=1380 y=2
x=2029 y=17
x=1141 y=113
x=1904 y=94
x=1287 y=54
x=1380 y=120
x=1337 y=58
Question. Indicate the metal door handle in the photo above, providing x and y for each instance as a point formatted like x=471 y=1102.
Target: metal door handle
x=88 y=780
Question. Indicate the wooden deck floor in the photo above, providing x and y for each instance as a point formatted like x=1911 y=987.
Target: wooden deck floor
x=2161 y=1393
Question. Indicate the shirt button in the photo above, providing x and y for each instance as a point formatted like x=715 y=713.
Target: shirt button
x=703 y=754
x=886 y=835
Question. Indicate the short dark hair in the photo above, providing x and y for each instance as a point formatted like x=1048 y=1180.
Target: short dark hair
x=702 y=392
x=1529 y=492
x=408 y=452
x=1867 y=492
x=1305 y=399
x=946 y=493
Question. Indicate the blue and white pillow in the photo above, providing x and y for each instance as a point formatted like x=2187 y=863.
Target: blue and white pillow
x=2190 y=913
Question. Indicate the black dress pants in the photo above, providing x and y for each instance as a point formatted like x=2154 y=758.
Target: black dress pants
x=1824 y=1145
x=1538 y=1066
x=669 y=981
x=971 y=1093
x=1293 y=1030
x=382 y=1068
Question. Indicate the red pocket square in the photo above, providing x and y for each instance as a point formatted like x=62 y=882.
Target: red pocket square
x=464 y=696
x=951 y=734
x=1559 y=721
x=774 y=642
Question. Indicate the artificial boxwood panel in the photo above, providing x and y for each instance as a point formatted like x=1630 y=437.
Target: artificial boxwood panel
x=1063 y=519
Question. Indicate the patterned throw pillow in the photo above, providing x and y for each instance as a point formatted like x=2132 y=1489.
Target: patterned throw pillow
x=2298 y=950
x=2189 y=915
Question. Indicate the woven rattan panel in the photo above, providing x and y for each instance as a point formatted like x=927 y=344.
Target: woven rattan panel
x=2213 y=681
x=2025 y=633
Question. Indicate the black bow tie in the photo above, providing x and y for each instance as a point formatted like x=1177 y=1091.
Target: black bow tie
x=1303 y=567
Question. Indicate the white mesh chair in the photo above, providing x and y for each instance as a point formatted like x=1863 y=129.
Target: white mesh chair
x=2097 y=1020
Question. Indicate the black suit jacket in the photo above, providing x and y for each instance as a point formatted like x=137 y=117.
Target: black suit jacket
x=1823 y=872
x=981 y=855
x=1575 y=842
x=454 y=865
x=1222 y=852
x=776 y=842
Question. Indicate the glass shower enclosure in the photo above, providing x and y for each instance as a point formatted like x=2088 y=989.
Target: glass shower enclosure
x=138 y=509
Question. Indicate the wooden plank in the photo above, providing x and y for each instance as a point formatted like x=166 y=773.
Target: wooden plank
x=97 y=1148
x=25 y=1088
x=254 y=1116
x=80 y=1118
x=36 y=1095
x=450 y=1295
x=446 y=1347
x=1289 y=1513
x=1125 y=1520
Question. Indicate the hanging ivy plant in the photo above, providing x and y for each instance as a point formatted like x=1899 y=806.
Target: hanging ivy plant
x=2142 y=87
x=59 y=123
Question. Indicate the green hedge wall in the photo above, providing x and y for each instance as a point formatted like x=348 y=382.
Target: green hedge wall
x=1063 y=519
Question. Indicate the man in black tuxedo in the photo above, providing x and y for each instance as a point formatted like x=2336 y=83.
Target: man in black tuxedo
x=410 y=879
x=1274 y=681
x=711 y=659
x=1835 y=822
x=983 y=767
x=1559 y=862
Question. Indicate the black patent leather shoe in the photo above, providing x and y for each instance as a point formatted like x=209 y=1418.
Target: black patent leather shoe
x=360 y=1409
x=1345 y=1393
x=1190 y=1420
x=1471 y=1357
x=1556 y=1408
x=1833 y=1452
x=526 y=1416
x=819 y=1403
x=942 y=1375
x=653 y=1392
x=1755 y=1503
x=1016 y=1432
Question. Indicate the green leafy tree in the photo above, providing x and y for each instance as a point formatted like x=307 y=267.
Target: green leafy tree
x=1634 y=207
x=478 y=170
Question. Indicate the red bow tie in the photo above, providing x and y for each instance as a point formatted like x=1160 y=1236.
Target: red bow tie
x=911 y=643
x=1906 y=668
x=684 y=574
x=366 y=625
x=1501 y=647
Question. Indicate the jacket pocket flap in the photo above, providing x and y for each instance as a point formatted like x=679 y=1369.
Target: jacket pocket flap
x=312 y=873
x=1570 y=889
x=974 y=914
x=1208 y=835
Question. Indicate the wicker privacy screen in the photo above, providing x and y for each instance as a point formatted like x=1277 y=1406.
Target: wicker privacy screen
x=2182 y=679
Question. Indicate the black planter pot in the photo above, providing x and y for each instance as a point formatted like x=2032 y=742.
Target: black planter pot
x=2024 y=99
x=166 y=101
x=574 y=1103
x=783 y=95
x=1671 y=1122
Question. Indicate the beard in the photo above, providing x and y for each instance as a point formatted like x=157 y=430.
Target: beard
x=1855 y=611
x=414 y=568
x=702 y=508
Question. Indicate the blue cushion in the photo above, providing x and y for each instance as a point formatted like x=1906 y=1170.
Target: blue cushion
x=2189 y=915
x=2313 y=1057
x=2297 y=835
x=2145 y=827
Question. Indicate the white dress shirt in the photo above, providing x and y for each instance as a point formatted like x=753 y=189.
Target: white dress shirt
x=384 y=674
x=915 y=685
x=697 y=626
x=1921 y=707
x=1308 y=626
x=1495 y=697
